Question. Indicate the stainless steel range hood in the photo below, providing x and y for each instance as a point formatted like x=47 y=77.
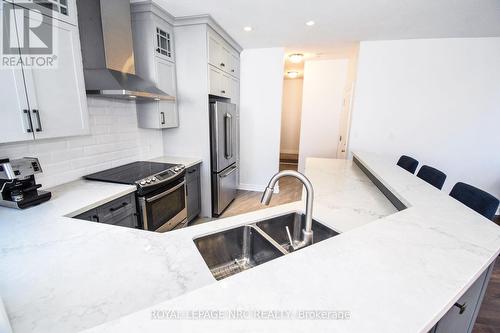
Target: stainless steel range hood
x=108 y=52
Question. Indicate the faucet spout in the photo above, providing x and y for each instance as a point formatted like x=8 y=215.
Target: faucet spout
x=307 y=233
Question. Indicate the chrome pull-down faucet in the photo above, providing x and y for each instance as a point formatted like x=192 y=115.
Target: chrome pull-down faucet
x=307 y=233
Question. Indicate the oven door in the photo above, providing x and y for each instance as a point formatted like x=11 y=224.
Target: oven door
x=162 y=211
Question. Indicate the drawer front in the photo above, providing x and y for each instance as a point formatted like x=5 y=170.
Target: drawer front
x=192 y=173
x=129 y=221
x=117 y=209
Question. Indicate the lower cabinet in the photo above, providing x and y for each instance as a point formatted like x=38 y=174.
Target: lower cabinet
x=462 y=316
x=121 y=212
x=193 y=192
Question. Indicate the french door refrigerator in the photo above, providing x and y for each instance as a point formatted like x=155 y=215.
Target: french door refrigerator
x=223 y=144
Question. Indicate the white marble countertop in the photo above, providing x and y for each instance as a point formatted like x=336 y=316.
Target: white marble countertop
x=186 y=161
x=394 y=271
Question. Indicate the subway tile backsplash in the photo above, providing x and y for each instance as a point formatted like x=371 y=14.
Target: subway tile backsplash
x=115 y=139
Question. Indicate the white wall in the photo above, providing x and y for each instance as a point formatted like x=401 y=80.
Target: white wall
x=192 y=137
x=261 y=97
x=323 y=93
x=291 y=116
x=437 y=100
x=115 y=140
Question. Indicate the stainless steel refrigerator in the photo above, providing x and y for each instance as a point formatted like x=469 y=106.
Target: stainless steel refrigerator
x=223 y=150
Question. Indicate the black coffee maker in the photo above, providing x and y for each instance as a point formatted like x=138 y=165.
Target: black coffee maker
x=18 y=188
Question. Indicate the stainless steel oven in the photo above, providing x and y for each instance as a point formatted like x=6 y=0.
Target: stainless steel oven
x=164 y=209
x=161 y=192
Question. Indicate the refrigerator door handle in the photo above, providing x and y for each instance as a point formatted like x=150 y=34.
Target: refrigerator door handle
x=233 y=169
x=228 y=146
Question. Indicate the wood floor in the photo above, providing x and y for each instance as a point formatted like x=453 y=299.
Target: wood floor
x=488 y=320
x=246 y=201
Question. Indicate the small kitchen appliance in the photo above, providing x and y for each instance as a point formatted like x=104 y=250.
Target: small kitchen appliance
x=18 y=188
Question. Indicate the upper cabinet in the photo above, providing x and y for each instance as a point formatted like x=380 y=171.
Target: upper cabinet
x=62 y=10
x=222 y=56
x=154 y=50
x=44 y=101
x=224 y=67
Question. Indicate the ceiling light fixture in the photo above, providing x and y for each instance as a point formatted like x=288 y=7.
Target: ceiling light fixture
x=248 y=29
x=292 y=74
x=310 y=23
x=296 y=57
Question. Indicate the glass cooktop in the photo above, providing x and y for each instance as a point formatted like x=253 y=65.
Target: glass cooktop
x=130 y=173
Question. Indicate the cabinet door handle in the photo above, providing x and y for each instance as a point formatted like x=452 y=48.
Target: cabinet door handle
x=94 y=218
x=192 y=171
x=39 y=126
x=223 y=91
x=162 y=118
x=222 y=64
x=462 y=307
x=30 y=123
x=114 y=209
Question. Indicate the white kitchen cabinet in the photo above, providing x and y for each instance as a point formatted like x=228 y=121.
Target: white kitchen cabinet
x=222 y=55
x=54 y=98
x=214 y=50
x=220 y=82
x=154 y=50
x=160 y=114
x=15 y=124
x=57 y=96
x=62 y=10
x=234 y=64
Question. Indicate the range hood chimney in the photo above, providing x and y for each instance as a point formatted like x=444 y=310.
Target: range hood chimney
x=108 y=52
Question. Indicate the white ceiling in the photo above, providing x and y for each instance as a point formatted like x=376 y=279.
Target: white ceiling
x=340 y=23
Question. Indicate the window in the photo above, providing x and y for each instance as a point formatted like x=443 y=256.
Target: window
x=163 y=43
x=60 y=6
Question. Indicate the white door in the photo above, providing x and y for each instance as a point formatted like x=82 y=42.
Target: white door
x=345 y=123
x=15 y=121
x=165 y=71
x=57 y=96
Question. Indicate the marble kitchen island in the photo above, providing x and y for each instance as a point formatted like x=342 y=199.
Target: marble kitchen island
x=391 y=271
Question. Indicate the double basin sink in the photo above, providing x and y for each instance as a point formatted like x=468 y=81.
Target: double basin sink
x=232 y=251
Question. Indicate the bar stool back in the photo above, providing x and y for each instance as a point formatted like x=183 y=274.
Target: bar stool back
x=408 y=163
x=476 y=199
x=433 y=176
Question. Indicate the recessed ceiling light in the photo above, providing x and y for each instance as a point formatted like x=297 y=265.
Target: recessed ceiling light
x=310 y=23
x=296 y=57
x=292 y=74
x=247 y=29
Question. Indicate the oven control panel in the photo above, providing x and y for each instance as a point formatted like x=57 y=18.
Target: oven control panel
x=161 y=177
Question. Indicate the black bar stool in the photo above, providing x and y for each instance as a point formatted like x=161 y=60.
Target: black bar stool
x=408 y=163
x=476 y=199
x=433 y=176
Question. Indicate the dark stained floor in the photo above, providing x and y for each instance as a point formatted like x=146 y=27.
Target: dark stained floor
x=488 y=320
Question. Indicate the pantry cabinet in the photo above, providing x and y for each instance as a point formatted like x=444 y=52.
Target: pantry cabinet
x=46 y=102
x=154 y=50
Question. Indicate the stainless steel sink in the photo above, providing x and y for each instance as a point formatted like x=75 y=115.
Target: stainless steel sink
x=276 y=229
x=232 y=251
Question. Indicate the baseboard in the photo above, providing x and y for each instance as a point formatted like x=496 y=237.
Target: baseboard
x=256 y=188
